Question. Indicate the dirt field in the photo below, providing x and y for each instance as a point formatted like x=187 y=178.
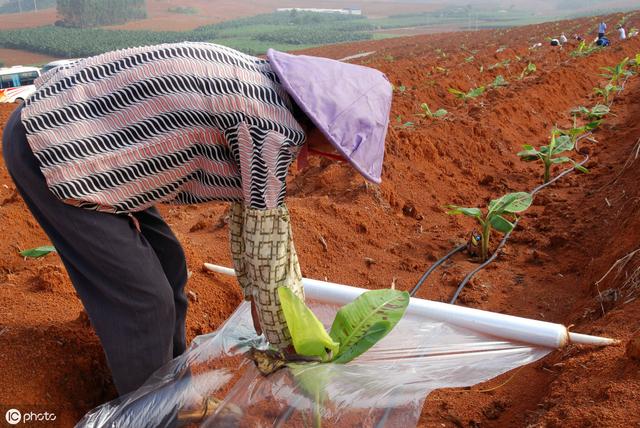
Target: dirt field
x=575 y=231
x=11 y=57
x=209 y=12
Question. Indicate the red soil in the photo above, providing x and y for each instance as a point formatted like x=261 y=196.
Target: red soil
x=576 y=230
x=11 y=57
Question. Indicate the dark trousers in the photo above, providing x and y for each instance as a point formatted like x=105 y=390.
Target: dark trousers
x=131 y=283
x=600 y=35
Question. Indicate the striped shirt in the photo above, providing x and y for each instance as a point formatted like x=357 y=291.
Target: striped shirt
x=180 y=123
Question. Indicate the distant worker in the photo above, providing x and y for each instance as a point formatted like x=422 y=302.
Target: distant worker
x=578 y=37
x=563 y=39
x=555 y=42
x=103 y=140
x=621 y=32
x=602 y=28
x=602 y=42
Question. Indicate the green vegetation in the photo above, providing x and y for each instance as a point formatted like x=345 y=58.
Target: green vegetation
x=427 y=113
x=617 y=72
x=38 y=251
x=597 y=112
x=607 y=91
x=548 y=155
x=253 y=35
x=356 y=328
x=501 y=64
x=585 y=50
x=529 y=69
x=185 y=10
x=465 y=96
x=499 y=82
x=496 y=217
x=94 y=13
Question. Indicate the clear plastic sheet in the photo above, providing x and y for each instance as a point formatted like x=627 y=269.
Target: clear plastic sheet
x=215 y=385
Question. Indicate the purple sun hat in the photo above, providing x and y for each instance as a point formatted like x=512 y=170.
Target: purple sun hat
x=349 y=104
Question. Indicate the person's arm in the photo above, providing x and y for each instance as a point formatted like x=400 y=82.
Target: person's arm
x=260 y=231
x=265 y=258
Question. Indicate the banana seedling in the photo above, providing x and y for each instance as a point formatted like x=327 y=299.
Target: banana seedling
x=597 y=112
x=617 y=72
x=576 y=131
x=499 y=82
x=548 y=155
x=465 y=96
x=357 y=327
x=427 y=113
x=529 y=69
x=606 y=92
x=501 y=213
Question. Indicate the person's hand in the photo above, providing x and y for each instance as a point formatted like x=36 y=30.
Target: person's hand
x=256 y=319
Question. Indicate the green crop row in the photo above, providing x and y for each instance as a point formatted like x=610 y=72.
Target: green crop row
x=252 y=35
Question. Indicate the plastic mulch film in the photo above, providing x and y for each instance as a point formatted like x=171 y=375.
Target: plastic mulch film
x=215 y=385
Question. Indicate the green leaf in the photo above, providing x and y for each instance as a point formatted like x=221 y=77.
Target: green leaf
x=533 y=154
x=38 y=251
x=366 y=320
x=563 y=143
x=511 y=203
x=501 y=224
x=475 y=92
x=581 y=168
x=307 y=333
x=456 y=92
x=561 y=159
x=440 y=112
x=312 y=378
x=471 y=212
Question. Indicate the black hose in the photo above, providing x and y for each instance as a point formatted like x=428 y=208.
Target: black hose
x=434 y=266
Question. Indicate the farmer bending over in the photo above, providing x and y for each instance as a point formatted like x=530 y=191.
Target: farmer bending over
x=105 y=139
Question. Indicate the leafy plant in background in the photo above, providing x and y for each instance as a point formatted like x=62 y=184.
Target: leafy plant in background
x=585 y=50
x=469 y=59
x=465 y=96
x=617 y=72
x=549 y=155
x=427 y=113
x=400 y=88
x=529 y=69
x=498 y=82
x=597 y=112
x=356 y=328
x=500 y=212
x=606 y=91
x=635 y=62
x=501 y=64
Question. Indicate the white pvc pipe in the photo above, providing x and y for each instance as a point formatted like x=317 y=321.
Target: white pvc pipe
x=518 y=329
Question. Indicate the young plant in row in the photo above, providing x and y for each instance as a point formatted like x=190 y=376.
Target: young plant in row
x=427 y=113
x=585 y=50
x=529 y=69
x=598 y=111
x=465 y=96
x=498 y=82
x=617 y=72
x=501 y=213
x=550 y=155
x=607 y=91
x=576 y=131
